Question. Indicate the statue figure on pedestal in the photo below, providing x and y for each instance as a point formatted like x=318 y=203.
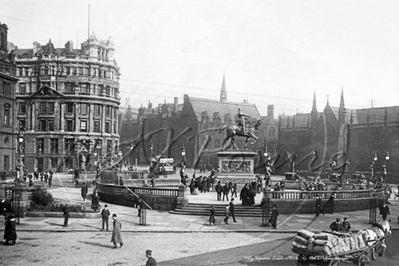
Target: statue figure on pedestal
x=244 y=128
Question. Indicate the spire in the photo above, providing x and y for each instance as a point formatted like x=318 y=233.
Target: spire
x=351 y=120
x=314 y=108
x=341 y=112
x=223 y=92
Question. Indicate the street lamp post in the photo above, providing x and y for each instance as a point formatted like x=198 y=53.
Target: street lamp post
x=384 y=166
x=183 y=153
x=21 y=141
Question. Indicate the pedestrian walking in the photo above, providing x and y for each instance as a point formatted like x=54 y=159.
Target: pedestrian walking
x=226 y=213
x=244 y=195
x=10 y=231
x=273 y=218
x=232 y=210
x=318 y=205
x=385 y=211
x=139 y=207
x=76 y=177
x=331 y=203
x=116 y=232
x=336 y=225
x=50 y=179
x=66 y=214
x=95 y=201
x=46 y=177
x=218 y=189
x=84 y=191
x=346 y=226
x=191 y=186
x=234 y=190
x=105 y=216
x=41 y=176
x=226 y=192
x=212 y=219
x=150 y=261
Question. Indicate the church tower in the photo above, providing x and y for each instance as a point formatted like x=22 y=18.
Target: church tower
x=223 y=92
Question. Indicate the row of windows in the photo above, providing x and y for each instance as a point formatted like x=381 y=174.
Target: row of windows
x=77 y=71
x=84 y=88
x=48 y=108
x=69 y=145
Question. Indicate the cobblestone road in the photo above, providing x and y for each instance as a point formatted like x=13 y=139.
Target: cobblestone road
x=88 y=248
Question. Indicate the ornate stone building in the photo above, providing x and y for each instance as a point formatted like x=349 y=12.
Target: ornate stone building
x=338 y=134
x=67 y=100
x=8 y=125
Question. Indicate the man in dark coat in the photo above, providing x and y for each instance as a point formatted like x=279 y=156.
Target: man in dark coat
x=10 y=232
x=66 y=215
x=318 y=205
x=151 y=261
x=116 y=232
x=226 y=191
x=84 y=191
x=244 y=195
x=192 y=186
x=218 y=189
x=251 y=196
x=385 y=211
x=336 y=225
x=232 y=211
x=273 y=218
x=105 y=216
x=330 y=203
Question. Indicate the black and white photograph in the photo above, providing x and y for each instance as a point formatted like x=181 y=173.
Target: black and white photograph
x=199 y=132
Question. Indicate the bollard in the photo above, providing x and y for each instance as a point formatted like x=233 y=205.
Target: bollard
x=143 y=214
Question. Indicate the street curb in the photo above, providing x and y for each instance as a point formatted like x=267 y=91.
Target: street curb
x=173 y=231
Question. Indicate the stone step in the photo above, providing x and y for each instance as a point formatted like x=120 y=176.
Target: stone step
x=202 y=209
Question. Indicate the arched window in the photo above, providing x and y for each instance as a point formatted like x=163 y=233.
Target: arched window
x=272 y=132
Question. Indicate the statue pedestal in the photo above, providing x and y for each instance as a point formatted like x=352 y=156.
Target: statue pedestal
x=236 y=166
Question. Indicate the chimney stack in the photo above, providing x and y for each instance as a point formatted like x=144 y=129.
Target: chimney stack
x=175 y=105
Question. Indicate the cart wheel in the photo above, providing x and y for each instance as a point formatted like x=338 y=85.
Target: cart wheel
x=334 y=263
x=372 y=254
x=302 y=260
x=362 y=260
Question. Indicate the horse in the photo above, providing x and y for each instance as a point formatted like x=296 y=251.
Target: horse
x=375 y=233
x=235 y=130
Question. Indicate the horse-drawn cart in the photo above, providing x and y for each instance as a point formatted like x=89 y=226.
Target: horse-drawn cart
x=358 y=257
x=359 y=248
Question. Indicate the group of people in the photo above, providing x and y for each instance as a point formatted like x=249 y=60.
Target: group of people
x=338 y=226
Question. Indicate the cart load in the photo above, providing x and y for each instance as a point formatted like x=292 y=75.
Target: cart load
x=330 y=243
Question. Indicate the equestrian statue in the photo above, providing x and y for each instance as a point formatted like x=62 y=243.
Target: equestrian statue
x=243 y=128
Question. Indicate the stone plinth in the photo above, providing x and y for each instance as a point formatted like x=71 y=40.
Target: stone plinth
x=236 y=166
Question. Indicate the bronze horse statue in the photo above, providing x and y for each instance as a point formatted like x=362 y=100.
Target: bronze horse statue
x=236 y=130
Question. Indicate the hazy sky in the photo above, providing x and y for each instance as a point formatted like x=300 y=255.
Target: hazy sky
x=271 y=52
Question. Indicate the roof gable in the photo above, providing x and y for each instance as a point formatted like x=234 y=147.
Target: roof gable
x=200 y=105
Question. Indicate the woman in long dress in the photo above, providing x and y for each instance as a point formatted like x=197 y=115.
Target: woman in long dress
x=10 y=232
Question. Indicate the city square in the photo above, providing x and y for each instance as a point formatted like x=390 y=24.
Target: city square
x=198 y=133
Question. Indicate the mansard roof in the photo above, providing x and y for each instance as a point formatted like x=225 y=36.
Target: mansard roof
x=212 y=106
x=46 y=91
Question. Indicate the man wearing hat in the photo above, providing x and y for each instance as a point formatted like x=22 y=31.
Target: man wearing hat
x=116 y=232
x=151 y=261
x=105 y=216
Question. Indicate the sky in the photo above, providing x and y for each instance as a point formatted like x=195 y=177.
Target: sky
x=270 y=52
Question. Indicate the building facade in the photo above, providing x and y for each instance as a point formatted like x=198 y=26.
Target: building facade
x=194 y=124
x=8 y=125
x=67 y=101
x=339 y=135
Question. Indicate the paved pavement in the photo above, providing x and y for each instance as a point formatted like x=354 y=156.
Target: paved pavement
x=161 y=221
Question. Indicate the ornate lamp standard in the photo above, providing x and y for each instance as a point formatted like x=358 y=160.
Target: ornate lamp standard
x=21 y=146
x=183 y=153
x=384 y=166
